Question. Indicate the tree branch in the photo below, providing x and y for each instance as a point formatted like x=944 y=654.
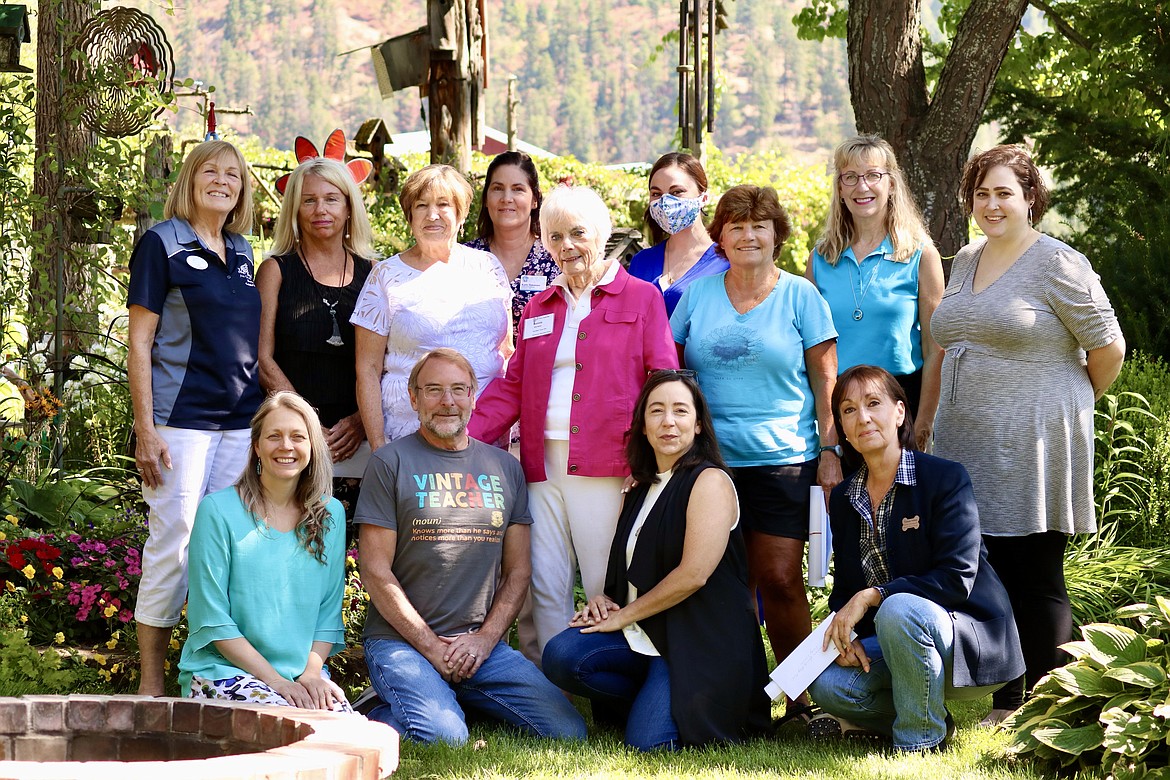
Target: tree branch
x=1061 y=24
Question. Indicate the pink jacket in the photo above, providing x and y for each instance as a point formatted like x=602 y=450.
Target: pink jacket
x=624 y=337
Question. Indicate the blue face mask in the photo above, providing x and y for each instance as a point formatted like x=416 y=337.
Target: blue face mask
x=674 y=214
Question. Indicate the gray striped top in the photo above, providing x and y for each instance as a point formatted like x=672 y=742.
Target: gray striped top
x=1016 y=405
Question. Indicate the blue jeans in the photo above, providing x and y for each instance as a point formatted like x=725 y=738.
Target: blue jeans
x=603 y=668
x=903 y=695
x=423 y=707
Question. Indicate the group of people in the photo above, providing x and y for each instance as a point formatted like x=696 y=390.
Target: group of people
x=671 y=421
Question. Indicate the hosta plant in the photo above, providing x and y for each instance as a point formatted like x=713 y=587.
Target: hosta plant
x=1110 y=708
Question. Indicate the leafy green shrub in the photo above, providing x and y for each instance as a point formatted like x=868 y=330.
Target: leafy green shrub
x=26 y=670
x=1109 y=707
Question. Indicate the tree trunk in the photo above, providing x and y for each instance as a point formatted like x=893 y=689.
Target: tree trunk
x=932 y=134
x=61 y=145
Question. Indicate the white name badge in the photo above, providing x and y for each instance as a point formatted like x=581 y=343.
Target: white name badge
x=538 y=326
x=198 y=263
x=533 y=283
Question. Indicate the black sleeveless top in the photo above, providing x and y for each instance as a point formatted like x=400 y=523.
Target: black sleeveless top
x=711 y=639
x=324 y=374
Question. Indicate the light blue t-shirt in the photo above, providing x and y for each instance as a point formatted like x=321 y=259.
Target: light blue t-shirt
x=751 y=367
x=247 y=580
x=886 y=292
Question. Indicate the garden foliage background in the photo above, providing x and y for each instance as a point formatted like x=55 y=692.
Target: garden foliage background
x=70 y=535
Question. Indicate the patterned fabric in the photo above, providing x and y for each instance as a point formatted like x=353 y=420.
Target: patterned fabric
x=1016 y=404
x=538 y=263
x=247 y=688
x=873 y=531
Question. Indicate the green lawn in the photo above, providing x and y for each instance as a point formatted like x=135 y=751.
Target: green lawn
x=975 y=753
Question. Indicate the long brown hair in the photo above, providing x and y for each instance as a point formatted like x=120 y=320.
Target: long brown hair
x=315 y=484
x=639 y=453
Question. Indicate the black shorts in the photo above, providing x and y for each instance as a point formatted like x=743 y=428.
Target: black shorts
x=774 y=500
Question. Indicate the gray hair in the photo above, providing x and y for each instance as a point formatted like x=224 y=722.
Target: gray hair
x=567 y=207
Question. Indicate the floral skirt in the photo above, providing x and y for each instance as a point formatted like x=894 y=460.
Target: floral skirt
x=247 y=688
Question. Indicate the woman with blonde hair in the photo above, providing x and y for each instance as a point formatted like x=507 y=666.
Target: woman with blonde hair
x=192 y=366
x=268 y=571
x=438 y=293
x=321 y=256
x=883 y=295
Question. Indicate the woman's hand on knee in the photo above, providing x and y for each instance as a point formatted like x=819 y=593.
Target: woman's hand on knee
x=595 y=611
x=294 y=693
x=322 y=693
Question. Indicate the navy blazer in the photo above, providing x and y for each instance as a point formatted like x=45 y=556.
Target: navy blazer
x=934 y=550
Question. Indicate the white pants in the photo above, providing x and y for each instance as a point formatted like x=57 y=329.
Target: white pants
x=202 y=463
x=573 y=522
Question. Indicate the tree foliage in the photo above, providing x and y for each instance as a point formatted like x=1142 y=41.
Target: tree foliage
x=1091 y=88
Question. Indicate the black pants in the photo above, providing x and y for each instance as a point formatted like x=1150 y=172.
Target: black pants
x=1032 y=570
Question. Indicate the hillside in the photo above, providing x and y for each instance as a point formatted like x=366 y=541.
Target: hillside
x=594 y=78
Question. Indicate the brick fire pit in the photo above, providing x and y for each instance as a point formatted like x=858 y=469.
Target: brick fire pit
x=138 y=737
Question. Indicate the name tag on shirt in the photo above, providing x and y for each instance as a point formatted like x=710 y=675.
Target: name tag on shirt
x=533 y=284
x=538 y=326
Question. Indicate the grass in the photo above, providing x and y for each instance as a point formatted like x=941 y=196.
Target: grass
x=497 y=753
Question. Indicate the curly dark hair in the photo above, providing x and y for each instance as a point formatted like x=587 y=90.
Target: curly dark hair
x=1018 y=160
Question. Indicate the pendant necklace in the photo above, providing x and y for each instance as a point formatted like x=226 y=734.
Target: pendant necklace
x=334 y=340
x=857 y=301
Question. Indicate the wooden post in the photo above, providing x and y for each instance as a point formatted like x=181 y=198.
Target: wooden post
x=512 y=103
x=453 y=77
x=157 y=170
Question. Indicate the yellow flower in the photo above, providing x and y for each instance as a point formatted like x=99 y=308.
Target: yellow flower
x=166 y=666
x=115 y=668
x=58 y=586
x=111 y=644
x=58 y=572
x=101 y=659
x=105 y=674
x=3 y=536
x=174 y=644
x=29 y=571
x=24 y=618
x=110 y=611
x=9 y=586
x=12 y=519
x=59 y=638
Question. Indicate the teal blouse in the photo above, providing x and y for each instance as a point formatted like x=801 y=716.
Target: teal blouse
x=250 y=581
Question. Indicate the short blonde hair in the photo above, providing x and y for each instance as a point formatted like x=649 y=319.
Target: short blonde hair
x=359 y=242
x=903 y=219
x=438 y=180
x=181 y=201
x=568 y=206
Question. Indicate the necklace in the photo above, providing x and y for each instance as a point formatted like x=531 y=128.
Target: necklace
x=857 y=301
x=334 y=340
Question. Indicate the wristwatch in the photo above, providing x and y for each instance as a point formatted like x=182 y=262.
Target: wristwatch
x=835 y=449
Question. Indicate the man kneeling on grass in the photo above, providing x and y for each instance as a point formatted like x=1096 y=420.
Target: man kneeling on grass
x=445 y=559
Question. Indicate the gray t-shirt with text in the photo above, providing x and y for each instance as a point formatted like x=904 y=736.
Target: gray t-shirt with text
x=450 y=510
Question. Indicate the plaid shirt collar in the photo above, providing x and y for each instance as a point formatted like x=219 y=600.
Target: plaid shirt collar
x=906 y=474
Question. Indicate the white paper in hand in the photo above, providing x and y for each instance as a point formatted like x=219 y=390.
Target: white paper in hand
x=793 y=676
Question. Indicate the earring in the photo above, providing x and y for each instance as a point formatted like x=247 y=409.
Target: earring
x=1030 y=222
x=258 y=469
x=347 y=227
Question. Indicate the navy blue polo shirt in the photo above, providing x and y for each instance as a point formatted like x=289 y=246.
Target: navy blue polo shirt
x=204 y=361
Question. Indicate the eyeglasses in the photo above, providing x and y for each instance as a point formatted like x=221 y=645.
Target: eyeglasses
x=679 y=372
x=871 y=178
x=435 y=392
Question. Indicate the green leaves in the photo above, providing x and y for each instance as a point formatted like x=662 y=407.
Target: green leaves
x=1110 y=708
